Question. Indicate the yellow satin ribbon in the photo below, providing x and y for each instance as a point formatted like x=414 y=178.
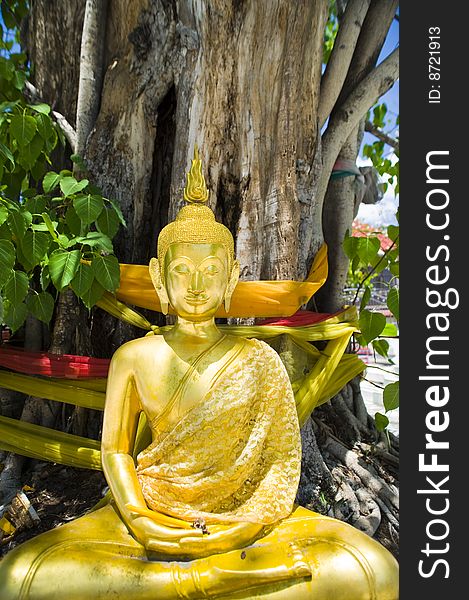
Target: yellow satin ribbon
x=250 y=298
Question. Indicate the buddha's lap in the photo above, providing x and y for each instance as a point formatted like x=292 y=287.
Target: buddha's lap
x=97 y=547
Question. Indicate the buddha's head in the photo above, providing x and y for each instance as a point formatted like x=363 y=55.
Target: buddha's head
x=196 y=270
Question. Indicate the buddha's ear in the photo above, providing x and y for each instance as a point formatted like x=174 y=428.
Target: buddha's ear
x=232 y=283
x=155 y=274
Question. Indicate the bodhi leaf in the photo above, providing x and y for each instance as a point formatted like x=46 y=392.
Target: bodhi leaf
x=88 y=208
x=381 y=421
x=34 y=246
x=371 y=324
x=365 y=298
x=350 y=245
x=62 y=267
x=5 y=151
x=17 y=223
x=50 y=181
x=30 y=153
x=16 y=287
x=368 y=248
x=108 y=222
x=7 y=260
x=94 y=294
x=22 y=129
x=15 y=315
x=393 y=301
x=391 y=396
x=41 y=108
x=41 y=306
x=3 y=214
x=69 y=185
x=96 y=239
x=83 y=279
x=107 y=272
x=381 y=347
x=73 y=221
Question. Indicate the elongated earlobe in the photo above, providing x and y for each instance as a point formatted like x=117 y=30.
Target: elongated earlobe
x=155 y=274
x=233 y=282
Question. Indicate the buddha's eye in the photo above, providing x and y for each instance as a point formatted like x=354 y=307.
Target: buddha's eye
x=211 y=270
x=181 y=269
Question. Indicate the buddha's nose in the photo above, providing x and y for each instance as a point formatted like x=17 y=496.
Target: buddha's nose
x=197 y=283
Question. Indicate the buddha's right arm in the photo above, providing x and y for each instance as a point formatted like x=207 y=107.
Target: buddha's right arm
x=122 y=410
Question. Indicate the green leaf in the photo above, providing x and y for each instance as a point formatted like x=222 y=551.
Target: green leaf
x=393 y=232
x=51 y=225
x=365 y=298
x=50 y=181
x=394 y=268
x=35 y=245
x=16 y=287
x=22 y=129
x=88 y=208
x=93 y=294
x=78 y=160
x=368 y=248
x=7 y=260
x=17 y=224
x=73 y=221
x=41 y=306
x=390 y=330
x=41 y=108
x=107 y=272
x=96 y=239
x=2 y=312
x=36 y=205
x=3 y=214
x=15 y=315
x=381 y=347
x=30 y=153
x=62 y=267
x=117 y=208
x=45 y=277
x=45 y=128
x=83 y=279
x=393 y=301
x=350 y=246
x=19 y=79
x=391 y=396
x=108 y=222
x=371 y=324
x=69 y=185
x=5 y=151
x=381 y=421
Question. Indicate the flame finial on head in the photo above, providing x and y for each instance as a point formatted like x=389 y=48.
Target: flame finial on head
x=196 y=190
x=195 y=223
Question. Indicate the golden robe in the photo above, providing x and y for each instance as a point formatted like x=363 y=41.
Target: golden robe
x=236 y=455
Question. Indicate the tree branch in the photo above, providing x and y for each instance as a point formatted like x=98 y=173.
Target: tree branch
x=91 y=69
x=33 y=95
x=344 y=120
x=372 y=37
x=381 y=135
x=341 y=56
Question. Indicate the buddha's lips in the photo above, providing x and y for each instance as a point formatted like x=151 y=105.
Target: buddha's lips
x=196 y=299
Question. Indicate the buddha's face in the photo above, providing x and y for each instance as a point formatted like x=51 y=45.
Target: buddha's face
x=196 y=277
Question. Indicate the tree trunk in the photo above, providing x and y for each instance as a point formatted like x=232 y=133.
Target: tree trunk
x=243 y=81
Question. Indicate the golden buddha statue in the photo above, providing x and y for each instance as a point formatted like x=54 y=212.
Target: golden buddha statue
x=204 y=507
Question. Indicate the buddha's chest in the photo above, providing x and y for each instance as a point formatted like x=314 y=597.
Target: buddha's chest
x=170 y=386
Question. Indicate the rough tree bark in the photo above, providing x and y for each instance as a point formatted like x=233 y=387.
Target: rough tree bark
x=243 y=81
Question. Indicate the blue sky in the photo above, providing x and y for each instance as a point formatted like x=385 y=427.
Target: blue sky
x=383 y=213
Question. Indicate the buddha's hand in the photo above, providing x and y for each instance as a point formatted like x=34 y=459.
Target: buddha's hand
x=160 y=538
x=222 y=538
